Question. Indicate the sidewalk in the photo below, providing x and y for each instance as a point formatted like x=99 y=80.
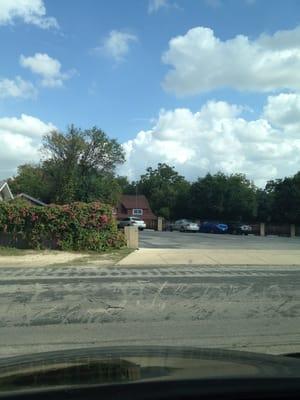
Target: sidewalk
x=211 y=257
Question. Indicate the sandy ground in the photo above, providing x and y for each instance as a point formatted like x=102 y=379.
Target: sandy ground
x=32 y=258
x=40 y=259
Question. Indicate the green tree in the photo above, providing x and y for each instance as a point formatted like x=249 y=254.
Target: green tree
x=284 y=199
x=78 y=165
x=166 y=190
x=31 y=179
x=126 y=186
x=224 y=197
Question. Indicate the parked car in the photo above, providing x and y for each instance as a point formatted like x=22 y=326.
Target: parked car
x=184 y=225
x=213 y=227
x=239 y=229
x=132 y=221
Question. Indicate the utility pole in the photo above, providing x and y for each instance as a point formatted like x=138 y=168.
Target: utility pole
x=136 y=194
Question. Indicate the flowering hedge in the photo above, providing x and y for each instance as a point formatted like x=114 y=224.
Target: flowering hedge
x=75 y=226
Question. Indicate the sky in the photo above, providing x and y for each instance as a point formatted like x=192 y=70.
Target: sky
x=203 y=85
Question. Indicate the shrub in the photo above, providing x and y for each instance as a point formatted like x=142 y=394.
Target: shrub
x=75 y=226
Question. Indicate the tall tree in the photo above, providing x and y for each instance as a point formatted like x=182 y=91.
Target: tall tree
x=31 y=179
x=225 y=197
x=78 y=165
x=284 y=197
x=126 y=186
x=166 y=190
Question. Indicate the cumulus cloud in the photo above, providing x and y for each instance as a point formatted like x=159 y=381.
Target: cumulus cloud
x=29 y=11
x=283 y=111
x=20 y=140
x=218 y=138
x=116 y=45
x=48 y=68
x=16 y=88
x=201 y=62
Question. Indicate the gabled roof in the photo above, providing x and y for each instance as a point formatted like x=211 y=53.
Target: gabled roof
x=2 y=184
x=32 y=199
x=133 y=201
x=4 y=187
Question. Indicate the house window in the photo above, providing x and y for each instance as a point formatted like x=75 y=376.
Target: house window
x=137 y=211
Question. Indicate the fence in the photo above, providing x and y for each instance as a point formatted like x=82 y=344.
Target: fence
x=152 y=224
x=270 y=229
x=278 y=229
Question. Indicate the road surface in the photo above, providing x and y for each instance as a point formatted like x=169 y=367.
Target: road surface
x=188 y=240
x=51 y=308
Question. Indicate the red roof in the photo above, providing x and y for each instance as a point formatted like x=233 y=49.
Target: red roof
x=129 y=202
x=133 y=201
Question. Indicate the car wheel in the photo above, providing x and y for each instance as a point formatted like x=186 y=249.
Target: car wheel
x=141 y=229
x=171 y=229
x=182 y=229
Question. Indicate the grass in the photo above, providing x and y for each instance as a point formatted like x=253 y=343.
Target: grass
x=12 y=251
x=109 y=256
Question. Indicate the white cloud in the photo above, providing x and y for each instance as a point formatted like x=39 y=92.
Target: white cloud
x=47 y=67
x=30 y=11
x=202 y=62
x=17 y=88
x=155 y=5
x=20 y=140
x=218 y=138
x=116 y=45
x=283 y=111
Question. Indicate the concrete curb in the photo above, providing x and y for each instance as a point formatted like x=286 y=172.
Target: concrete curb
x=211 y=257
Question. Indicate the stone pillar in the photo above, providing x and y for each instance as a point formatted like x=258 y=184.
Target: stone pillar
x=262 y=229
x=159 y=224
x=132 y=236
x=292 y=230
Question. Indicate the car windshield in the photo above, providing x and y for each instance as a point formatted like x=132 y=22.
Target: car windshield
x=149 y=176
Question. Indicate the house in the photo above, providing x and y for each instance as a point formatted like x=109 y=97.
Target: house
x=137 y=206
x=5 y=192
x=31 y=200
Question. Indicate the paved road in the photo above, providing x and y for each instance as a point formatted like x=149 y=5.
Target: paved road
x=233 y=307
x=179 y=240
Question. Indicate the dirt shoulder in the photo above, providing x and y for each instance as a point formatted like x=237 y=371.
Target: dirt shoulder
x=31 y=258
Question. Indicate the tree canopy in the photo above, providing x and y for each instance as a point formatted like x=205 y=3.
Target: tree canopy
x=232 y=197
x=165 y=189
x=78 y=165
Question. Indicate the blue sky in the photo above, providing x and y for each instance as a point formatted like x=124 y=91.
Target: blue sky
x=123 y=94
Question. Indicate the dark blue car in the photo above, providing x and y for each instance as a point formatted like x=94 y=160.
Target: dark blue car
x=213 y=227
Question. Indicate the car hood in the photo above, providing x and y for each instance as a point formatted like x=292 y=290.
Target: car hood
x=133 y=364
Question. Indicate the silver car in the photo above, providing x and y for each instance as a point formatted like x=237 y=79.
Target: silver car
x=132 y=221
x=184 y=225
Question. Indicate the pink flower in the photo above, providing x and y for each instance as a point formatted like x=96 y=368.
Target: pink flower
x=34 y=217
x=103 y=219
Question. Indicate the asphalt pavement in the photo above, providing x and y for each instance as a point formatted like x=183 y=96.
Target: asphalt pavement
x=246 y=308
x=189 y=240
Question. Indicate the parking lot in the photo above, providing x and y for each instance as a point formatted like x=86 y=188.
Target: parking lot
x=179 y=240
